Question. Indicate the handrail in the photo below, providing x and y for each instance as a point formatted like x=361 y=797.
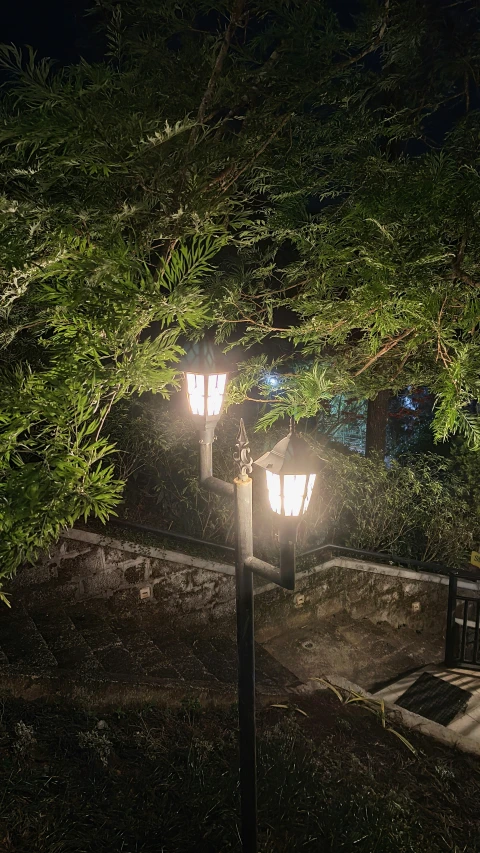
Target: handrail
x=121 y=522
x=434 y=568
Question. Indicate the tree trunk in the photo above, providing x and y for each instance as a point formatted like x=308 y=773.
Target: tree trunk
x=377 y=419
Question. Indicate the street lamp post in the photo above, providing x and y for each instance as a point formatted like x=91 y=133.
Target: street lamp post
x=289 y=467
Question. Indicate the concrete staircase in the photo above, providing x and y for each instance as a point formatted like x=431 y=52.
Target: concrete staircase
x=92 y=642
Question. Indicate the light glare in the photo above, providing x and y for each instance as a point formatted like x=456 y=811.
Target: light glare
x=293 y=492
x=216 y=389
x=274 y=494
x=295 y=487
x=311 y=483
x=196 y=393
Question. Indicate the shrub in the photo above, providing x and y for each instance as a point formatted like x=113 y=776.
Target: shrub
x=420 y=506
x=416 y=507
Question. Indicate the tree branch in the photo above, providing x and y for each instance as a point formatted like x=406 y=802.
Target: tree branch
x=258 y=153
x=458 y=272
x=235 y=18
x=384 y=350
x=371 y=47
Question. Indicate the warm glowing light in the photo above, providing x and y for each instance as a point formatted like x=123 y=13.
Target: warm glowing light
x=274 y=492
x=311 y=483
x=196 y=393
x=297 y=491
x=293 y=492
x=216 y=390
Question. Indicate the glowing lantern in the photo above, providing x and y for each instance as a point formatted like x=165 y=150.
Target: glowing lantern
x=206 y=371
x=290 y=474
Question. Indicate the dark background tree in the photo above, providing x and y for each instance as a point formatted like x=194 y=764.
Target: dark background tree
x=380 y=211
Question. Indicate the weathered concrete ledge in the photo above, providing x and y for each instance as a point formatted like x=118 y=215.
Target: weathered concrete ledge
x=399 y=715
x=148 y=551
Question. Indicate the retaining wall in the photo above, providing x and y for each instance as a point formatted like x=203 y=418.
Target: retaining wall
x=86 y=565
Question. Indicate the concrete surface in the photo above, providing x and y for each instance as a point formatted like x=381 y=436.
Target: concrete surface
x=400 y=716
x=466 y=723
x=357 y=649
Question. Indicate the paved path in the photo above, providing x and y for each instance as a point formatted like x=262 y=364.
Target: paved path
x=366 y=653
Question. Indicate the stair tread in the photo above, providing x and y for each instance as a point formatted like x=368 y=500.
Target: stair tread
x=68 y=645
x=87 y=638
x=105 y=644
x=140 y=645
x=22 y=642
x=222 y=665
x=269 y=670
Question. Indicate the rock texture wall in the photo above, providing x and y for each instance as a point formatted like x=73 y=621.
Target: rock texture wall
x=87 y=565
x=365 y=591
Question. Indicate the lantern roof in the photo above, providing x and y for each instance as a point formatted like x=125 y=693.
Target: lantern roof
x=205 y=357
x=291 y=455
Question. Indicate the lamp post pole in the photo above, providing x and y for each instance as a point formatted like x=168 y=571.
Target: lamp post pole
x=245 y=642
x=289 y=462
x=290 y=483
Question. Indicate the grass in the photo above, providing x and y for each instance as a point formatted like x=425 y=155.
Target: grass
x=330 y=779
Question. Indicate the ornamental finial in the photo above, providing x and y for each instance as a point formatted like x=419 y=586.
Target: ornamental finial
x=242 y=456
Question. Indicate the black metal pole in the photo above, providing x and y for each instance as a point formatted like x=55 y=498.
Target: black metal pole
x=450 y=638
x=246 y=664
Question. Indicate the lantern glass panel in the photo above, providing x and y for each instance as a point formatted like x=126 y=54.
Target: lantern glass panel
x=274 y=491
x=311 y=483
x=216 y=390
x=196 y=393
x=294 y=486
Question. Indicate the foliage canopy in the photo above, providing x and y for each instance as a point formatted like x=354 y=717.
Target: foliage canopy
x=270 y=167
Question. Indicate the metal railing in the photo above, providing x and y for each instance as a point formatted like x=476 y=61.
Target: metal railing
x=171 y=534
x=462 y=647
x=463 y=622
x=330 y=547
x=380 y=556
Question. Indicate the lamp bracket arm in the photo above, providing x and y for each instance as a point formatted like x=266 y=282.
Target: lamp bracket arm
x=266 y=570
x=283 y=577
x=219 y=487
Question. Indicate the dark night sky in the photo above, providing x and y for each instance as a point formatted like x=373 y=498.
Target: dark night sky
x=54 y=28
x=57 y=28
x=60 y=30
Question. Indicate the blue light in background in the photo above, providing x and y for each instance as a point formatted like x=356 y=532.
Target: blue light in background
x=271 y=380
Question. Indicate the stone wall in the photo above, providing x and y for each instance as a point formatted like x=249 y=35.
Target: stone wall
x=85 y=565
x=364 y=590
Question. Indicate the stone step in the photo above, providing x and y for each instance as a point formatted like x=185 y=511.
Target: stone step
x=93 y=622
x=214 y=654
x=269 y=672
x=67 y=644
x=22 y=644
x=141 y=647
x=87 y=638
x=186 y=662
